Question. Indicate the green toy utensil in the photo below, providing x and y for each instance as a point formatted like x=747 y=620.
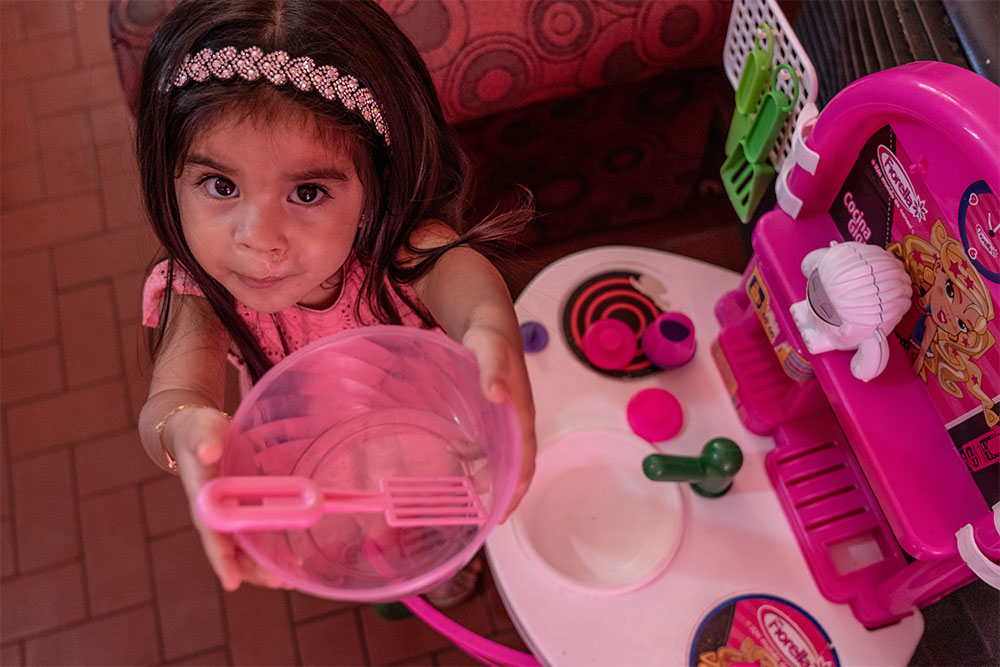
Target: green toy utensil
x=711 y=474
x=738 y=128
x=756 y=72
x=753 y=79
x=770 y=117
x=745 y=182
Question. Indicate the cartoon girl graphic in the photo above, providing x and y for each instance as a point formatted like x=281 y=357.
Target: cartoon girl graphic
x=954 y=308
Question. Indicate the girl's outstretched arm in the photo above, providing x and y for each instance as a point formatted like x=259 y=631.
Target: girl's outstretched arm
x=469 y=299
x=190 y=370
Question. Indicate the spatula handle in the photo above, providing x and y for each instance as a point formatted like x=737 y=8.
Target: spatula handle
x=280 y=503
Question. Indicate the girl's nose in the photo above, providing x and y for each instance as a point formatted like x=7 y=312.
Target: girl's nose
x=263 y=234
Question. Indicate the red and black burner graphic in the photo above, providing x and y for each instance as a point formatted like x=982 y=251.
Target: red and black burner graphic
x=610 y=295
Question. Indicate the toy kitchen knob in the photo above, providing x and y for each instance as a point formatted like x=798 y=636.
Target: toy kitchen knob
x=609 y=344
x=710 y=474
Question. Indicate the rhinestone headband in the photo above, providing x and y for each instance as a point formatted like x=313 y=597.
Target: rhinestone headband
x=278 y=67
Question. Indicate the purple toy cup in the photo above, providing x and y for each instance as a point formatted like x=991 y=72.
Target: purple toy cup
x=669 y=341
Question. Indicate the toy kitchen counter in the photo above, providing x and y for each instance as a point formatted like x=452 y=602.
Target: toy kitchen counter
x=600 y=565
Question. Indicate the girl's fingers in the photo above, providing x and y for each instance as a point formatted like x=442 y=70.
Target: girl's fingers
x=209 y=452
x=223 y=557
x=525 y=475
x=253 y=573
x=198 y=452
x=492 y=366
x=233 y=566
x=503 y=375
x=220 y=549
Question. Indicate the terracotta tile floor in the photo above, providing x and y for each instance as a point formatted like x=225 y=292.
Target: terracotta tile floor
x=100 y=564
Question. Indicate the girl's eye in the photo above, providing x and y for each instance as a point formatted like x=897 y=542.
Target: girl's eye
x=949 y=289
x=308 y=194
x=963 y=327
x=220 y=187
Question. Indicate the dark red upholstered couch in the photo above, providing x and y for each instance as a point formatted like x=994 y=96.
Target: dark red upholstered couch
x=603 y=108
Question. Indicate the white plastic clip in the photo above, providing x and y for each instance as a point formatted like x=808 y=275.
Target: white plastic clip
x=981 y=566
x=799 y=154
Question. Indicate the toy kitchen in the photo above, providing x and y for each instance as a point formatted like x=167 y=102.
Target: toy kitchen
x=853 y=367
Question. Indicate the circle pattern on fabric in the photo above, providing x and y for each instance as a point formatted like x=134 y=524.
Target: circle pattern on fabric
x=560 y=29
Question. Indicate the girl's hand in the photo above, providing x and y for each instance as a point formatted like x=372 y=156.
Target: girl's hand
x=503 y=375
x=196 y=435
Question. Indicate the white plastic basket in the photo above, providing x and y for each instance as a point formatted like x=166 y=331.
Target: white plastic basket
x=743 y=22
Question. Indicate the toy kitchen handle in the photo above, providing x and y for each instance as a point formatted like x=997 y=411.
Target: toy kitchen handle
x=799 y=155
x=968 y=548
x=958 y=103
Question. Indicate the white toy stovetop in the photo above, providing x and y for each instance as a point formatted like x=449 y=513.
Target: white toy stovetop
x=639 y=565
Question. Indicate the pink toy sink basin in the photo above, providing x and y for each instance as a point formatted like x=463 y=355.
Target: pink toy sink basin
x=593 y=521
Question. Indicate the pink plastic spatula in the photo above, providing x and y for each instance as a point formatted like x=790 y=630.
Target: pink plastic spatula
x=258 y=502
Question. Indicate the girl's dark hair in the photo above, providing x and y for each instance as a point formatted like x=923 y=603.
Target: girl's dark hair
x=422 y=175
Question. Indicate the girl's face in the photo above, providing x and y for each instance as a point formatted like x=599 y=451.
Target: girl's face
x=270 y=210
x=950 y=307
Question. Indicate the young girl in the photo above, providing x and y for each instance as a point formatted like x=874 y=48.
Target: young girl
x=298 y=170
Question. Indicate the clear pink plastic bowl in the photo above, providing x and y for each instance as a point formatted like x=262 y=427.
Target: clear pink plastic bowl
x=350 y=410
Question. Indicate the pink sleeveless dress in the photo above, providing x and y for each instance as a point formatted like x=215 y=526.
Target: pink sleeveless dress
x=299 y=324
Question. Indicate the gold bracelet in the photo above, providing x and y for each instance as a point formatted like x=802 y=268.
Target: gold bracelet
x=171 y=461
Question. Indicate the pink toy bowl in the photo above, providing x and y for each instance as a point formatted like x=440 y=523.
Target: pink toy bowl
x=355 y=409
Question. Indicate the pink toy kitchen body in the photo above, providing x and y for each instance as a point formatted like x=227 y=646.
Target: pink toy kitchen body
x=870 y=473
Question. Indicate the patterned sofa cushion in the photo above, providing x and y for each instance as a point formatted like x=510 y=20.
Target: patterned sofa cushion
x=488 y=56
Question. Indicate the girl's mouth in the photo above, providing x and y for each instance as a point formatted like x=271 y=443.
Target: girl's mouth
x=260 y=283
x=942 y=317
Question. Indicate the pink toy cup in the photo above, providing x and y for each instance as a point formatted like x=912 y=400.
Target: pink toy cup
x=352 y=410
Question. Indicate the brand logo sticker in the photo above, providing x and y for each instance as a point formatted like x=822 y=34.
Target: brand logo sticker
x=900 y=185
x=788 y=639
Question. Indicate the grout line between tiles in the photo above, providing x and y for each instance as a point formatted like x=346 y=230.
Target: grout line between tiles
x=78 y=515
x=37 y=398
x=148 y=545
x=361 y=634
x=47 y=199
x=108 y=490
x=64 y=627
x=49 y=449
x=293 y=635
